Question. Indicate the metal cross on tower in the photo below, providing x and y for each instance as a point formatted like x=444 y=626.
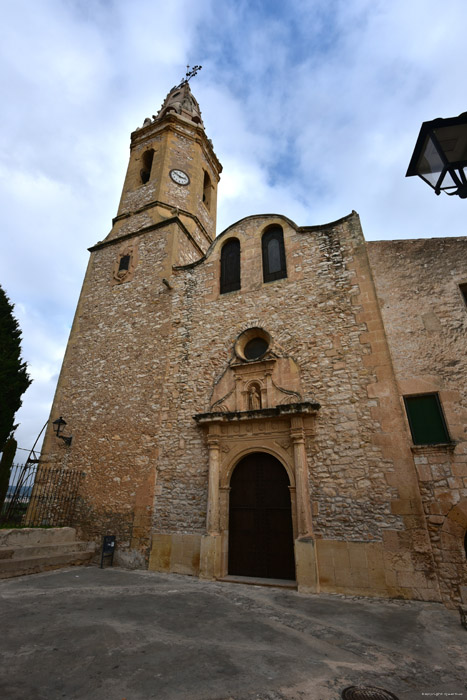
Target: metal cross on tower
x=190 y=73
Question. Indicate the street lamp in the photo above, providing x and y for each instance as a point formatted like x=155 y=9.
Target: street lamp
x=440 y=155
x=57 y=426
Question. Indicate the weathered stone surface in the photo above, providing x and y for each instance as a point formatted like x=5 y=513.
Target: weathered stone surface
x=32 y=550
x=348 y=328
x=425 y=320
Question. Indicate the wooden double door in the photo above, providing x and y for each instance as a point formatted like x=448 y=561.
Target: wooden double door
x=260 y=519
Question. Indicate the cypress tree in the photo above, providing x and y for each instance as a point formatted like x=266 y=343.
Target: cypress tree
x=6 y=462
x=14 y=379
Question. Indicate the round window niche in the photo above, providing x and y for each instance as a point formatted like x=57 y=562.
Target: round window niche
x=252 y=344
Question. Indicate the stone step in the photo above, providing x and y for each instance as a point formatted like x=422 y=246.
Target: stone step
x=22 y=537
x=34 y=565
x=37 y=550
x=254 y=581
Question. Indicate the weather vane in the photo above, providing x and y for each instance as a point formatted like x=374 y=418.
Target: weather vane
x=190 y=73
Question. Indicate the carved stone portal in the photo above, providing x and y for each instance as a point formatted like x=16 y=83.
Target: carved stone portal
x=257 y=406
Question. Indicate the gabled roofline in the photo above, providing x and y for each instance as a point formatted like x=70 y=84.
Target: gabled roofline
x=299 y=229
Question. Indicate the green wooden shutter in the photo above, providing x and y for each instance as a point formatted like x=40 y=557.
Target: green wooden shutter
x=426 y=419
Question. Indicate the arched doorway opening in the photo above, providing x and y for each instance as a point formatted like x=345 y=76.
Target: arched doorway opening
x=260 y=519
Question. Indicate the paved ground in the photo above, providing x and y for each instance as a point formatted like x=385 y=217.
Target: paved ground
x=92 y=634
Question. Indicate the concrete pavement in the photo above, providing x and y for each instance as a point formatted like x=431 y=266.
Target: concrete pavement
x=92 y=634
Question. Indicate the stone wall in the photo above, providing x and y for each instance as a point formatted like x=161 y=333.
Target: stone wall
x=111 y=394
x=150 y=347
x=362 y=481
x=425 y=319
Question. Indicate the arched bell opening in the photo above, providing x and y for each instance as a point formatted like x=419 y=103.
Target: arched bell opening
x=261 y=542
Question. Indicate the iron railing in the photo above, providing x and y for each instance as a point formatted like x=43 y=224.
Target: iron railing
x=40 y=495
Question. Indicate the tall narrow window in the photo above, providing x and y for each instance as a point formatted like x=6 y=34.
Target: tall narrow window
x=463 y=288
x=207 y=187
x=147 y=165
x=230 y=266
x=426 y=419
x=274 y=266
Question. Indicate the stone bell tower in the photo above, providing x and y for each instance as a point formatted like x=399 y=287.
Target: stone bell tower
x=113 y=386
x=173 y=172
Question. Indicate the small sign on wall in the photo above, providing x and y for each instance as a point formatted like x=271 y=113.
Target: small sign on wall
x=108 y=549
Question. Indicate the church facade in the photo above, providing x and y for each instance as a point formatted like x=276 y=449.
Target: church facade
x=279 y=401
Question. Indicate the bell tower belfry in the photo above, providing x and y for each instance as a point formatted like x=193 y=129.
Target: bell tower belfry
x=173 y=173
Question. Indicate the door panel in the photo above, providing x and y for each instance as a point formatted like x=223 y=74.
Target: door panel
x=260 y=521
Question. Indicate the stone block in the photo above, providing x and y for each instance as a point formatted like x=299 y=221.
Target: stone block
x=403 y=506
x=374 y=554
x=161 y=548
x=185 y=554
x=359 y=578
x=210 y=566
x=327 y=575
x=340 y=556
x=412 y=579
x=358 y=555
x=377 y=578
x=306 y=566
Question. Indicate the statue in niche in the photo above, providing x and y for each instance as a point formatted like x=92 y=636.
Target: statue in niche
x=254 y=399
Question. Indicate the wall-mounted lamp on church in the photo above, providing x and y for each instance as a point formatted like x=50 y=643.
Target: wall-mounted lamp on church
x=440 y=155
x=58 y=425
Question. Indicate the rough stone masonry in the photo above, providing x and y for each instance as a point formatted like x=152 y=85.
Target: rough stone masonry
x=311 y=359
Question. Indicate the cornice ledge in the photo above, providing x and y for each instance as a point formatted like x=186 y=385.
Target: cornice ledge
x=146 y=229
x=290 y=409
x=435 y=447
x=158 y=203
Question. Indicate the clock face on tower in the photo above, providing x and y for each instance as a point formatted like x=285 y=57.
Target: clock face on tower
x=179 y=177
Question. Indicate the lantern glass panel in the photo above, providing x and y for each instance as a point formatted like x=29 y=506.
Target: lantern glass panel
x=448 y=182
x=430 y=164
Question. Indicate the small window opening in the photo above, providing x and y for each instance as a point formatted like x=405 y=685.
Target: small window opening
x=463 y=288
x=230 y=266
x=274 y=265
x=145 y=173
x=207 y=189
x=255 y=348
x=124 y=263
x=465 y=544
x=426 y=419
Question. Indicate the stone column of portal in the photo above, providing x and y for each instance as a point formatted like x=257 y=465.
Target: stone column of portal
x=211 y=543
x=212 y=524
x=269 y=390
x=297 y=435
x=306 y=563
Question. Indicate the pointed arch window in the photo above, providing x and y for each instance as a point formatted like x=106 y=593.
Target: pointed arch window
x=274 y=265
x=230 y=266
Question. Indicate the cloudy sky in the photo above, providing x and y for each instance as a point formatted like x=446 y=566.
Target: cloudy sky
x=313 y=106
